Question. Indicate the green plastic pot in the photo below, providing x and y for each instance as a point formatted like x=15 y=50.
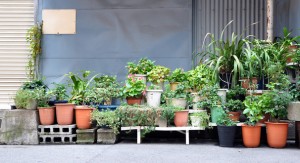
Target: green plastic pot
x=216 y=113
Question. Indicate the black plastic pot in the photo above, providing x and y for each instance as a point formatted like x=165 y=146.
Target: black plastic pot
x=52 y=103
x=226 y=135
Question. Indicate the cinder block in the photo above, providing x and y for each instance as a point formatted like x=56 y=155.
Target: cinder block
x=57 y=139
x=86 y=136
x=106 y=136
x=291 y=130
x=57 y=129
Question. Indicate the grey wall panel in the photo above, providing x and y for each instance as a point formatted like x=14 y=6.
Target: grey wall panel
x=109 y=34
x=294 y=17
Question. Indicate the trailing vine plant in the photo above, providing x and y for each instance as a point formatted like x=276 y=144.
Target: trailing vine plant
x=34 y=37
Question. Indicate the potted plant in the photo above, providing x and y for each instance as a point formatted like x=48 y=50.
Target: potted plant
x=181 y=116
x=60 y=94
x=158 y=75
x=153 y=95
x=226 y=130
x=133 y=90
x=80 y=86
x=294 y=106
x=176 y=77
x=251 y=129
x=233 y=109
x=200 y=77
x=46 y=112
x=26 y=99
x=200 y=119
x=109 y=124
x=105 y=89
x=180 y=96
x=236 y=93
x=141 y=69
x=167 y=95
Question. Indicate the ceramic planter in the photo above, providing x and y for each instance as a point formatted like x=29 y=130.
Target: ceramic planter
x=134 y=100
x=226 y=135
x=222 y=94
x=277 y=134
x=181 y=118
x=153 y=97
x=160 y=85
x=174 y=85
x=235 y=116
x=246 y=82
x=161 y=122
x=294 y=111
x=46 y=115
x=64 y=113
x=196 y=121
x=31 y=104
x=83 y=117
x=251 y=135
x=180 y=102
x=141 y=77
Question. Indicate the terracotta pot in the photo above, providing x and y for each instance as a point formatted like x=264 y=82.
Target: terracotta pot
x=64 y=113
x=246 y=82
x=292 y=49
x=235 y=116
x=251 y=135
x=277 y=134
x=181 y=118
x=173 y=86
x=83 y=117
x=46 y=115
x=134 y=100
x=265 y=119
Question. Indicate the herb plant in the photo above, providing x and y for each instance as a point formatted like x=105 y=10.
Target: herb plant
x=107 y=118
x=224 y=120
x=158 y=74
x=133 y=87
x=59 y=92
x=142 y=67
x=234 y=105
x=178 y=75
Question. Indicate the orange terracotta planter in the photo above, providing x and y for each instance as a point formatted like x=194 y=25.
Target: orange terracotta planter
x=235 y=116
x=134 y=100
x=277 y=134
x=265 y=119
x=181 y=118
x=64 y=113
x=83 y=117
x=251 y=135
x=173 y=86
x=46 y=115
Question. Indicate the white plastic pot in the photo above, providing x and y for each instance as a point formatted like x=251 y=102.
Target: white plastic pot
x=196 y=121
x=196 y=98
x=222 y=94
x=141 y=76
x=179 y=102
x=153 y=97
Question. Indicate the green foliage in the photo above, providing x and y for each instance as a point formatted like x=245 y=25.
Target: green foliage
x=178 y=75
x=181 y=91
x=225 y=120
x=107 y=118
x=142 y=67
x=59 y=92
x=36 y=83
x=158 y=74
x=251 y=62
x=133 y=87
x=42 y=97
x=80 y=87
x=254 y=110
x=295 y=91
x=200 y=77
x=154 y=87
x=277 y=78
x=204 y=118
x=105 y=88
x=23 y=96
x=210 y=97
x=234 y=105
x=167 y=94
x=235 y=92
x=34 y=37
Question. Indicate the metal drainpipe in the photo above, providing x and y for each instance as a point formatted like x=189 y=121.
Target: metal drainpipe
x=270 y=20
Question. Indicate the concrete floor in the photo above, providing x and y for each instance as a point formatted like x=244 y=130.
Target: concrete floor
x=152 y=152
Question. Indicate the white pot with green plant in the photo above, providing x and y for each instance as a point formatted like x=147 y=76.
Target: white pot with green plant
x=141 y=69
x=176 y=77
x=153 y=95
x=158 y=75
x=200 y=119
x=180 y=96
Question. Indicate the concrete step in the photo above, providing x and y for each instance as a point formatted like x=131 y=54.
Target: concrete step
x=57 y=139
x=57 y=129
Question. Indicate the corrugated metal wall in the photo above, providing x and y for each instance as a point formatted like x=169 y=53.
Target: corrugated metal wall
x=211 y=16
x=16 y=17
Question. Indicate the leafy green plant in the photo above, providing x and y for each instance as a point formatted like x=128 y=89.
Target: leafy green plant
x=236 y=93
x=142 y=67
x=295 y=91
x=34 y=37
x=200 y=77
x=168 y=112
x=36 y=83
x=181 y=91
x=158 y=74
x=80 y=86
x=107 y=118
x=59 y=92
x=133 y=87
x=178 y=75
x=23 y=96
x=234 y=105
x=276 y=75
x=204 y=118
x=253 y=110
x=210 y=97
x=224 y=120
x=154 y=87
x=167 y=94
x=251 y=62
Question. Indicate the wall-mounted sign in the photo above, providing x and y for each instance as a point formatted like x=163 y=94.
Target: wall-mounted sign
x=59 y=21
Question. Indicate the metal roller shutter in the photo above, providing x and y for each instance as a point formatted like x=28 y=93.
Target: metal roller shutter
x=16 y=17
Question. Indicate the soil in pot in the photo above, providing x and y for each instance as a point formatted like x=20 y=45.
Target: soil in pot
x=251 y=135
x=83 y=117
x=277 y=134
x=235 y=116
x=65 y=113
x=46 y=115
x=134 y=100
x=226 y=135
x=181 y=118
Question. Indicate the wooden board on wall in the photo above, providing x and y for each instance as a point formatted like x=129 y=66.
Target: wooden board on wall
x=59 y=21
